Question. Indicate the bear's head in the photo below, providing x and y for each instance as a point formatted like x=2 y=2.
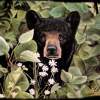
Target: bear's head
x=55 y=37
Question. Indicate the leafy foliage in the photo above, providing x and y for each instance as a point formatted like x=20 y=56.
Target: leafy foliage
x=31 y=45
x=4 y=47
x=16 y=81
x=80 y=81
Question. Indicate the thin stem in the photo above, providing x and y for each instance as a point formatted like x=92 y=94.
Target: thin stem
x=1 y=88
x=35 y=77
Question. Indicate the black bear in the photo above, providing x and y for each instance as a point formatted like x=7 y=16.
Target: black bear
x=55 y=38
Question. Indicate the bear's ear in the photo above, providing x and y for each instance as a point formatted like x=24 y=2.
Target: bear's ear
x=73 y=19
x=32 y=19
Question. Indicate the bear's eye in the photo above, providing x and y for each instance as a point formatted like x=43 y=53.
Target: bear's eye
x=62 y=39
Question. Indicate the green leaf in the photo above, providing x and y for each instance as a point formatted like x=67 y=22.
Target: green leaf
x=45 y=6
x=23 y=82
x=5 y=24
x=44 y=13
x=71 y=7
x=97 y=26
x=83 y=54
x=16 y=78
x=72 y=95
x=87 y=16
x=92 y=32
x=98 y=82
x=81 y=7
x=24 y=95
x=60 y=93
x=36 y=8
x=15 y=25
x=26 y=37
x=79 y=63
x=57 y=11
x=12 y=78
x=14 y=12
x=79 y=80
x=85 y=90
x=53 y=96
x=92 y=61
x=80 y=37
x=54 y=4
x=20 y=14
x=28 y=55
x=10 y=38
x=75 y=71
x=84 y=51
x=3 y=71
x=55 y=88
x=74 y=86
x=87 y=51
x=66 y=76
x=31 y=45
x=4 y=47
x=95 y=51
x=94 y=77
x=97 y=22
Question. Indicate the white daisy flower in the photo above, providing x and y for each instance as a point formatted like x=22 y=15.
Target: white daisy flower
x=43 y=74
x=14 y=94
x=54 y=69
x=2 y=96
x=51 y=81
x=46 y=92
x=52 y=63
x=32 y=91
x=24 y=67
x=19 y=64
x=40 y=64
x=45 y=68
x=33 y=82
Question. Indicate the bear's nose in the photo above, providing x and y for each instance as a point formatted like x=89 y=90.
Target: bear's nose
x=52 y=50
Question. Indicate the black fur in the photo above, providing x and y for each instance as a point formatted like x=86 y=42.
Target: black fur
x=66 y=26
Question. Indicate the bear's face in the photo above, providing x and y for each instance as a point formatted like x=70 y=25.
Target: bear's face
x=52 y=48
x=54 y=36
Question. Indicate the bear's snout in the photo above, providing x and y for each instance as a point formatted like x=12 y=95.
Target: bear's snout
x=52 y=50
